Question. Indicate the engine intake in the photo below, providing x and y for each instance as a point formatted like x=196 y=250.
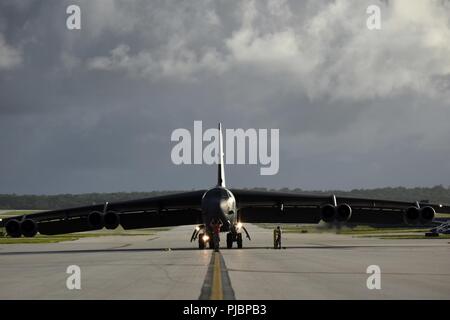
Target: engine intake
x=427 y=215
x=343 y=212
x=96 y=219
x=412 y=215
x=111 y=220
x=340 y=213
x=29 y=228
x=328 y=213
x=13 y=229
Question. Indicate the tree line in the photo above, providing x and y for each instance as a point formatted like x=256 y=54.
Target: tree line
x=436 y=194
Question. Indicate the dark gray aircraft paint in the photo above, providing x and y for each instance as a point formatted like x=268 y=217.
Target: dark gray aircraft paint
x=231 y=207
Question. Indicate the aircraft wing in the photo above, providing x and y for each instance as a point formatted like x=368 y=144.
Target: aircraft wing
x=284 y=207
x=168 y=210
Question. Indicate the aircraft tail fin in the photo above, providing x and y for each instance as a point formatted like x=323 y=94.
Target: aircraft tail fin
x=220 y=171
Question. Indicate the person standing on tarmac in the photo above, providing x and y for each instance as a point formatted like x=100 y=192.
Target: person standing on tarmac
x=277 y=238
x=215 y=226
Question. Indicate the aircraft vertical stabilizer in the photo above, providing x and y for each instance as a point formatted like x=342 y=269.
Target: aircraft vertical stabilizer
x=221 y=171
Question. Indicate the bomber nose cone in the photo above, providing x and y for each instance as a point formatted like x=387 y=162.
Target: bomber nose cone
x=217 y=210
x=224 y=206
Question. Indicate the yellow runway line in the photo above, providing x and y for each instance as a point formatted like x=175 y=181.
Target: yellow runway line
x=217 y=292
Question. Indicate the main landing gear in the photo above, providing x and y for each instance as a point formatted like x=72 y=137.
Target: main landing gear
x=203 y=240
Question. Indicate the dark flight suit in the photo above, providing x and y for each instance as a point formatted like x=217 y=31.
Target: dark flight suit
x=277 y=238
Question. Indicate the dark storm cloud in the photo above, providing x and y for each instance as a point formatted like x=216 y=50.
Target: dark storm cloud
x=93 y=110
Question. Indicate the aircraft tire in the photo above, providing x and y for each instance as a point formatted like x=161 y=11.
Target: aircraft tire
x=201 y=243
x=229 y=240
x=239 y=240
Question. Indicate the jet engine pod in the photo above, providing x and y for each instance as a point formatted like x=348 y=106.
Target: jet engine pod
x=412 y=215
x=13 y=229
x=343 y=212
x=96 y=219
x=29 y=228
x=328 y=213
x=111 y=220
x=427 y=215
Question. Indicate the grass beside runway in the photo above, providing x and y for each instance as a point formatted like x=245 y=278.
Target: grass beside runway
x=13 y=213
x=359 y=231
x=45 y=239
x=407 y=236
x=40 y=238
x=322 y=228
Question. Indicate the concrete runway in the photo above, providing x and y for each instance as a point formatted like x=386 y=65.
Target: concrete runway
x=313 y=266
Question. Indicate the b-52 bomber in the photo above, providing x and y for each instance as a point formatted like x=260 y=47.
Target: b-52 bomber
x=232 y=207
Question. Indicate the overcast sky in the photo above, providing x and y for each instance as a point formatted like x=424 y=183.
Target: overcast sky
x=93 y=110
